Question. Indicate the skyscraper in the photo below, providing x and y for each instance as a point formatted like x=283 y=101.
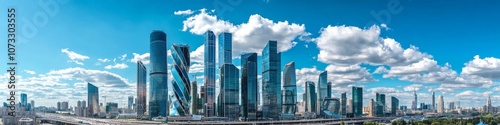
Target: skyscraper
x=394 y=105
x=24 y=100
x=130 y=102
x=343 y=104
x=310 y=97
x=357 y=101
x=415 y=100
x=322 y=87
x=371 y=110
x=225 y=48
x=440 y=104
x=209 y=63
x=32 y=104
x=141 y=90
x=93 y=98
x=249 y=87
x=229 y=91
x=290 y=89
x=329 y=90
x=194 y=98
x=271 y=81
x=433 y=106
x=181 y=84
x=158 y=77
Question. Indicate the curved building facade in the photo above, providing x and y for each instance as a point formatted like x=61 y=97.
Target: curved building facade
x=290 y=89
x=181 y=86
x=158 y=77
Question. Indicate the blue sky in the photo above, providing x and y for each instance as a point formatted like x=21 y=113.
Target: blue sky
x=390 y=46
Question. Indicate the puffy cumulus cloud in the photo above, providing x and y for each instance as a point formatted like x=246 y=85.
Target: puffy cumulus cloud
x=413 y=87
x=98 y=77
x=488 y=67
x=196 y=68
x=344 y=75
x=306 y=74
x=29 y=72
x=424 y=65
x=117 y=66
x=74 y=57
x=353 y=45
x=473 y=97
x=251 y=36
x=184 y=12
x=140 y=57
x=198 y=54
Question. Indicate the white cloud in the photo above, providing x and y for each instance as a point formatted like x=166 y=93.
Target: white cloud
x=345 y=75
x=251 y=36
x=74 y=57
x=197 y=55
x=117 y=66
x=103 y=60
x=30 y=72
x=488 y=67
x=123 y=57
x=383 y=25
x=196 y=68
x=413 y=87
x=183 y=12
x=140 y=57
x=306 y=74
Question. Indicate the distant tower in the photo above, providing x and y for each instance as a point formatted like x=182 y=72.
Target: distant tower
x=415 y=100
x=433 y=102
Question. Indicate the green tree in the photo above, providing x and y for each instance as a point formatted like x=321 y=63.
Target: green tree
x=342 y=123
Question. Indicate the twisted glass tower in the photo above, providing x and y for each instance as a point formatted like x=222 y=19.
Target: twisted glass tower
x=290 y=92
x=209 y=74
x=271 y=81
x=158 y=93
x=249 y=86
x=181 y=84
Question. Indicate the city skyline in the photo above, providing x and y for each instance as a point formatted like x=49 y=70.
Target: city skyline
x=406 y=63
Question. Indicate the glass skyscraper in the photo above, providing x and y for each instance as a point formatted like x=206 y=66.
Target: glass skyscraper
x=130 y=102
x=343 y=101
x=194 y=98
x=394 y=105
x=209 y=74
x=181 y=86
x=290 y=89
x=271 y=81
x=93 y=98
x=330 y=108
x=24 y=100
x=141 y=90
x=229 y=91
x=357 y=101
x=225 y=48
x=322 y=89
x=310 y=98
x=329 y=90
x=158 y=77
x=249 y=87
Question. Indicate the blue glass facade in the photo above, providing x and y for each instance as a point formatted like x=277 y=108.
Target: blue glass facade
x=310 y=97
x=229 y=91
x=209 y=74
x=329 y=90
x=290 y=89
x=322 y=85
x=357 y=101
x=24 y=99
x=141 y=89
x=394 y=105
x=271 y=81
x=93 y=98
x=158 y=78
x=343 y=101
x=181 y=86
x=249 y=86
x=330 y=108
x=225 y=48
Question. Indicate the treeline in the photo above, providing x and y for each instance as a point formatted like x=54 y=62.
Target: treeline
x=490 y=120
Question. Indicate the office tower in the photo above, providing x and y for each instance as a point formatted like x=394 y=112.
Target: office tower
x=458 y=105
x=202 y=97
x=415 y=100
x=380 y=98
x=290 y=89
x=322 y=85
x=371 y=111
x=140 y=104
x=310 y=97
x=229 y=91
x=209 y=63
x=64 y=106
x=249 y=86
x=271 y=81
x=33 y=104
x=194 y=98
x=440 y=104
x=93 y=98
x=343 y=101
x=24 y=99
x=452 y=105
x=433 y=106
x=225 y=48
x=181 y=84
x=357 y=101
x=130 y=102
x=59 y=106
x=111 y=107
x=329 y=90
x=394 y=105
x=330 y=108
x=489 y=107
x=348 y=106
x=158 y=77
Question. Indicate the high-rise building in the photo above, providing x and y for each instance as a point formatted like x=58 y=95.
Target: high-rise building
x=310 y=97
x=452 y=105
x=130 y=102
x=111 y=107
x=415 y=100
x=93 y=98
x=433 y=106
x=59 y=106
x=440 y=105
x=343 y=104
x=140 y=104
x=229 y=91
x=181 y=84
x=249 y=88
x=357 y=101
x=271 y=81
x=394 y=105
x=194 y=98
x=64 y=106
x=32 y=104
x=348 y=106
x=24 y=100
x=158 y=77
x=329 y=90
x=290 y=89
x=203 y=94
x=322 y=85
x=209 y=74
x=381 y=98
x=371 y=110
x=225 y=48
